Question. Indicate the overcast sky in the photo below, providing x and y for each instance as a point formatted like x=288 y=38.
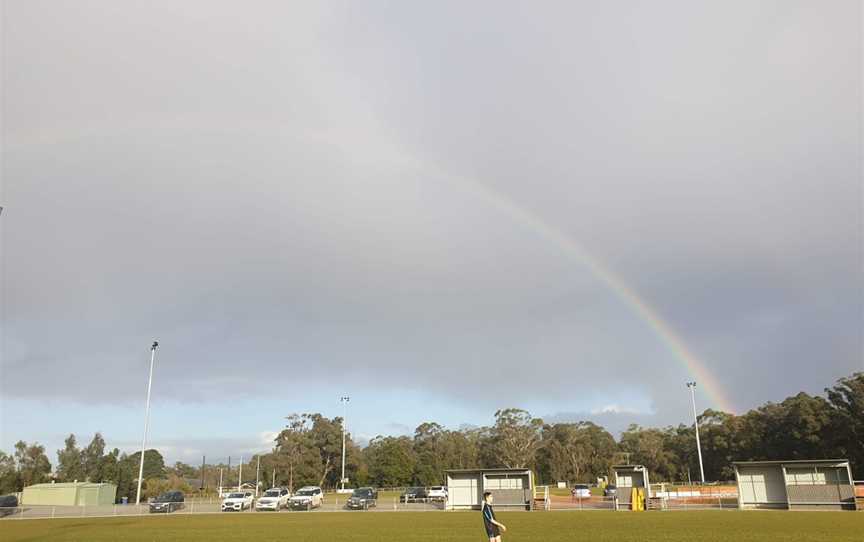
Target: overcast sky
x=307 y=200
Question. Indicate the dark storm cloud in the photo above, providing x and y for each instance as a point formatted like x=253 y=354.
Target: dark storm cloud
x=274 y=193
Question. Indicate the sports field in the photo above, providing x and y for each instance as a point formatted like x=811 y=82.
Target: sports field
x=705 y=526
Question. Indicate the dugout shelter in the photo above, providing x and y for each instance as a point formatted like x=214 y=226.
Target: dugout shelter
x=627 y=478
x=824 y=484
x=509 y=487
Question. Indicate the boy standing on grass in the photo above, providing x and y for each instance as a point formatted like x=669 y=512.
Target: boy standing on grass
x=493 y=527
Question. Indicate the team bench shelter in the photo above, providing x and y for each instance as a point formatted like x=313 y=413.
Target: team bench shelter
x=509 y=488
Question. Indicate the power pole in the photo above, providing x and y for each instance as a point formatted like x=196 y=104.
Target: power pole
x=344 y=400
x=692 y=386
x=153 y=348
x=257 y=475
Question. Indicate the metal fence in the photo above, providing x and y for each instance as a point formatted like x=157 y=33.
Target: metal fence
x=333 y=503
x=701 y=497
x=560 y=502
x=653 y=503
x=682 y=498
x=661 y=497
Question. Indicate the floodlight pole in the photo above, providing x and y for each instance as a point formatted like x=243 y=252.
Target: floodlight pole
x=240 y=475
x=344 y=400
x=692 y=386
x=153 y=348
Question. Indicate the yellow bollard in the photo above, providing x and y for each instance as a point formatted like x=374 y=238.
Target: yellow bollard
x=637 y=499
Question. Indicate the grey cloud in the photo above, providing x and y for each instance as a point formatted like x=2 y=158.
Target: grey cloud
x=275 y=191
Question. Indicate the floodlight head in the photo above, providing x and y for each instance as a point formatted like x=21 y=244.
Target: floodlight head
x=154 y=346
x=691 y=384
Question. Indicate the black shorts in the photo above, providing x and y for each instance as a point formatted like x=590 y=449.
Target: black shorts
x=492 y=531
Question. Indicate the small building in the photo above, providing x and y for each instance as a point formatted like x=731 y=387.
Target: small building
x=824 y=484
x=70 y=494
x=509 y=488
x=628 y=477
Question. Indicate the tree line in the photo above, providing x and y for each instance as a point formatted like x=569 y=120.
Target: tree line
x=308 y=451
x=801 y=427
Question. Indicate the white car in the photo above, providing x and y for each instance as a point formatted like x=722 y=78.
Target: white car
x=273 y=499
x=306 y=498
x=237 y=501
x=437 y=493
x=580 y=491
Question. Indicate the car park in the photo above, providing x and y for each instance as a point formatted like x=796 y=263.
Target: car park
x=414 y=494
x=167 y=502
x=237 y=501
x=273 y=499
x=362 y=498
x=437 y=493
x=581 y=491
x=306 y=498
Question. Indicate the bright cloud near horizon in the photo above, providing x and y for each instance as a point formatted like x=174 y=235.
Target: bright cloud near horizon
x=439 y=209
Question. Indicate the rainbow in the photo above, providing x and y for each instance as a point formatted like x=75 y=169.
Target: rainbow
x=598 y=269
x=695 y=368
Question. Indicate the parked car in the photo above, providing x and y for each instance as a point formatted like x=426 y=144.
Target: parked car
x=437 y=493
x=581 y=491
x=273 y=499
x=414 y=494
x=306 y=498
x=611 y=490
x=237 y=501
x=167 y=502
x=8 y=504
x=362 y=498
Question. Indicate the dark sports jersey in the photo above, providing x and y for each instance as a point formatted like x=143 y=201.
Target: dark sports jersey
x=488 y=516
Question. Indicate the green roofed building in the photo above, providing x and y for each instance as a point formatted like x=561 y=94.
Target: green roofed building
x=70 y=494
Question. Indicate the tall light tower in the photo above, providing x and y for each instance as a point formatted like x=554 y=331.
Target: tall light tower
x=344 y=400
x=692 y=386
x=146 y=421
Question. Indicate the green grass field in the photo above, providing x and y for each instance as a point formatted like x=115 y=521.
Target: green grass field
x=705 y=526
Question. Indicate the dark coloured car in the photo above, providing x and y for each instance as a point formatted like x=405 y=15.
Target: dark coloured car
x=610 y=490
x=414 y=494
x=8 y=504
x=167 y=502
x=363 y=498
